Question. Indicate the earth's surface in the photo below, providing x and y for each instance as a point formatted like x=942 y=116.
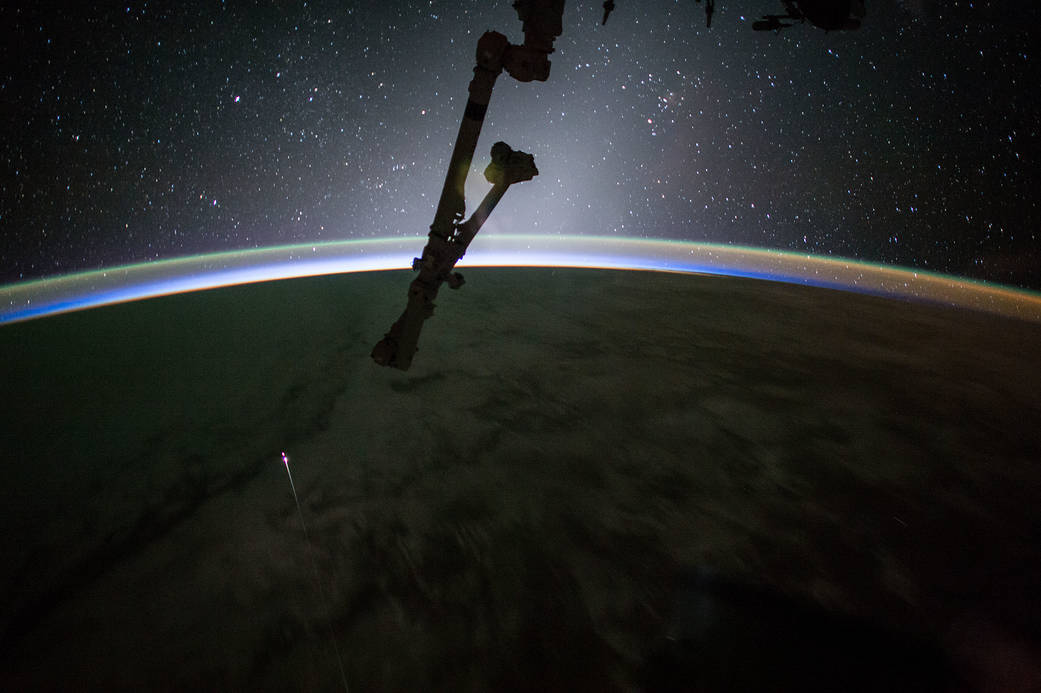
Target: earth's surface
x=588 y=480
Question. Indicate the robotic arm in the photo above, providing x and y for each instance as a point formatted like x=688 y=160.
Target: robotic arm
x=449 y=236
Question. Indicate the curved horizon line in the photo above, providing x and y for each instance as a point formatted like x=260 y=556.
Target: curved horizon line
x=95 y=288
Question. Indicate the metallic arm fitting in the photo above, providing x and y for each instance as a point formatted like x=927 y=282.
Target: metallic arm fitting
x=449 y=236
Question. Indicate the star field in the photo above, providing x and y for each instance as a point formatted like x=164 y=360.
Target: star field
x=145 y=131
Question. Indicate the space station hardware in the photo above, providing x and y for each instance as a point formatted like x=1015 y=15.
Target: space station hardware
x=449 y=235
x=830 y=15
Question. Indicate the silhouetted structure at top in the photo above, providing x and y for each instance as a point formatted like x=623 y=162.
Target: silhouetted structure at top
x=830 y=15
x=710 y=9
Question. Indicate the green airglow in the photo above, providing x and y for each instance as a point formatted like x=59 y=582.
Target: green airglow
x=109 y=285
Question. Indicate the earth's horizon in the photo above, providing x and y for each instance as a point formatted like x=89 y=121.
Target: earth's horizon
x=42 y=297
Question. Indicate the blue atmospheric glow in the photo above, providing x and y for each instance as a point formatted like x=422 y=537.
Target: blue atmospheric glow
x=29 y=300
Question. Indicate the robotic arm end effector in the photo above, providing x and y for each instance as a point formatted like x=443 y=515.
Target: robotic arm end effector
x=509 y=166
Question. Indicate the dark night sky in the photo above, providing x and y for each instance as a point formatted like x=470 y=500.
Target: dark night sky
x=141 y=131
